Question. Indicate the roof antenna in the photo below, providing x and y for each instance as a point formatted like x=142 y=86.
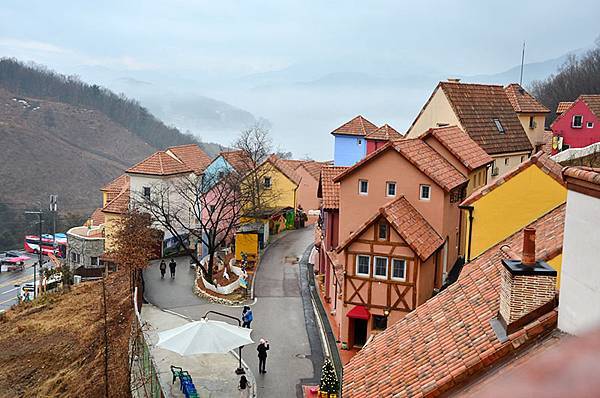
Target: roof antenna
x=522 y=60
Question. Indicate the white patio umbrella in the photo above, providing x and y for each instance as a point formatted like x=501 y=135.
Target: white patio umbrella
x=204 y=337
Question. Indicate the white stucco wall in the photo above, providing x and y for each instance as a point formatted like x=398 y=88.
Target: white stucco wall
x=437 y=111
x=579 y=305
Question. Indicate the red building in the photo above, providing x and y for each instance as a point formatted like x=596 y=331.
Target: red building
x=578 y=126
x=380 y=137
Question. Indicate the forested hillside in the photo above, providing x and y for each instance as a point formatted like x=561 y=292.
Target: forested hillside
x=578 y=76
x=39 y=82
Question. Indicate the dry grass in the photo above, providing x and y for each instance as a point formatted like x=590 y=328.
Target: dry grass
x=54 y=346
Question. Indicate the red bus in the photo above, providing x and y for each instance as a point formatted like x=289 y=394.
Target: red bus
x=32 y=244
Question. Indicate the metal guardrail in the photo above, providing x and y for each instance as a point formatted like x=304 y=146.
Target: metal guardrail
x=324 y=320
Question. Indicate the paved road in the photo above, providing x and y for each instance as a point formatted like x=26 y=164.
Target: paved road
x=8 y=280
x=279 y=313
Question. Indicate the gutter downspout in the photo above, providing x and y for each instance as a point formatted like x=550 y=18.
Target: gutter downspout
x=470 y=209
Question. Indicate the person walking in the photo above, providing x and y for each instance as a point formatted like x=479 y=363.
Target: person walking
x=262 y=349
x=163 y=269
x=244 y=387
x=172 y=266
x=247 y=317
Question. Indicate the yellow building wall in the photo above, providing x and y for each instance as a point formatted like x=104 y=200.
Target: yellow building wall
x=283 y=191
x=110 y=223
x=536 y=134
x=437 y=112
x=508 y=208
x=556 y=263
x=246 y=243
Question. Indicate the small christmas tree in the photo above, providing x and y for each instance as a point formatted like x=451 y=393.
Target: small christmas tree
x=329 y=381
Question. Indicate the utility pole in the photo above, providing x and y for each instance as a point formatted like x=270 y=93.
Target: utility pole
x=53 y=210
x=522 y=62
x=40 y=221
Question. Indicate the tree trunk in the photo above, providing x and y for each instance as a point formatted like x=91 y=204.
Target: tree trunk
x=209 y=271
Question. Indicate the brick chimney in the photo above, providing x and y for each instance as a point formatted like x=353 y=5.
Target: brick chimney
x=527 y=286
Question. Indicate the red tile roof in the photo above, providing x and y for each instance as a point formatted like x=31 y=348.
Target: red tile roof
x=97 y=217
x=540 y=159
x=476 y=106
x=547 y=142
x=384 y=133
x=311 y=166
x=522 y=101
x=239 y=160
x=284 y=168
x=563 y=106
x=161 y=164
x=357 y=126
x=410 y=225
x=587 y=174
x=593 y=102
x=423 y=157
x=461 y=146
x=120 y=204
x=192 y=156
x=449 y=339
x=117 y=185
x=329 y=190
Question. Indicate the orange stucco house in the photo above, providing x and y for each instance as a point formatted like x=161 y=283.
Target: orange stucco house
x=398 y=228
x=306 y=196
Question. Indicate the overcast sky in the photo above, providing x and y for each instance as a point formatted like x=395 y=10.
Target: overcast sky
x=220 y=40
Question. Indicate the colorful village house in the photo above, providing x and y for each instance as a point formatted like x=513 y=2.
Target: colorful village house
x=115 y=202
x=278 y=197
x=349 y=143
x=531 y=114
x=466 y=334
x=511 y=202
x=228 y=162
x=378 y=138
x=577 y=125
x=399 y=224
x=309 y=172
x=160 y=170
x=485 y=113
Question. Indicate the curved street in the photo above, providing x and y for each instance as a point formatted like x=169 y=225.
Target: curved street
x=280 y=313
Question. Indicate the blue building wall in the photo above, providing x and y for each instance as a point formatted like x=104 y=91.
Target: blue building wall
x=348 y=150
x=212 y=170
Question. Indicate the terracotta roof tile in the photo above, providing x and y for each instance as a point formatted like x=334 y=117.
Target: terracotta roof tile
x=329 y=190
x=423 y=157
x=192 y=156
x=282 y=166
x=593 y=102
x=117 y=185
x=160 y=163
x=522 y=101
x=311 y=166
x=563 y=106
x=540 y=159
x=357 y=126
x=239 y=160
x=410 y=225
x=476 y=106
x=471 y=155
x=97 y=217
x=587 y=174
x=547 y=142
x=449 y=339
x=384 y=133
x=120 y=204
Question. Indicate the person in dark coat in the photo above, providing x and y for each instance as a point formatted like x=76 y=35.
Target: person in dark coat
x=247 y=317
x=163 y=269
x=172 y=266
x=262 y=349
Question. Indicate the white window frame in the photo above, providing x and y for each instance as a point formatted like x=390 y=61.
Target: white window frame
x=387 y=189
x=387 y=230
x=368 y=265
x=421 y=197
x=403 y=279
x=580 y=121
x=387 y=263
x=589 y=125
x=499 y=126
x=360 y=192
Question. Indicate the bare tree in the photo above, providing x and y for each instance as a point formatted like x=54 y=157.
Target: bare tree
x=210 y=207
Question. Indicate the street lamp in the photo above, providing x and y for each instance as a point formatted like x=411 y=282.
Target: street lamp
x=240 y=370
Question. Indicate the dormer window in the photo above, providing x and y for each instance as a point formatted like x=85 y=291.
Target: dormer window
x=532 y=123
x=577 y=122
x=363 y=187
x=499 y=126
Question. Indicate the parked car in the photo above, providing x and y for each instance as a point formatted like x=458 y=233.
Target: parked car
x=13 y=258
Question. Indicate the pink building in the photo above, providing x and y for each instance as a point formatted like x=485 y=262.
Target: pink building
x=398 y=226
x=578 y=125
x=380 y=137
